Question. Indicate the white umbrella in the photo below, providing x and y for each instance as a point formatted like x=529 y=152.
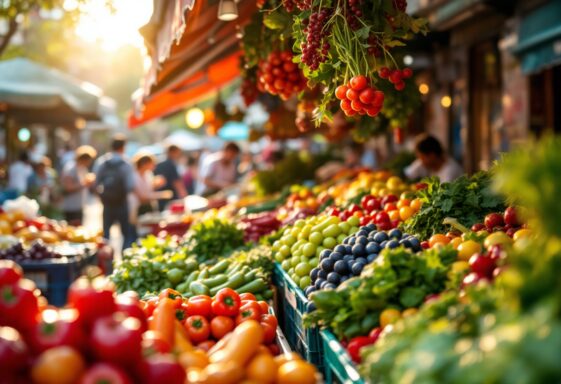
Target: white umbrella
x=186 y=140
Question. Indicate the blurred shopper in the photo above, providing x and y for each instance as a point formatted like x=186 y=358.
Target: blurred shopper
x=19 y=173
x=114 y=181
x=190 y=175
x=432 y=161
x=41 y=184
x=247 y=164
x=75 y=182
x=168 y=169
x=221 y=171
x=143 y=198
x=352 y=160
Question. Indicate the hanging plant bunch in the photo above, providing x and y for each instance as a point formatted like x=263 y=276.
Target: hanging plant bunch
x=346 y=45
x=279 y=75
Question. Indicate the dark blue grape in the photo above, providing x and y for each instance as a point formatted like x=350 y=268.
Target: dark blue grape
x=318 y=283
x=348 y=257
x=314 y=274
x=327 y=265
x=361 y=232
x=395 y=234
x=309 y=290
x=336 y=256
x=357 y=268
x=334 y=278
x=329 y=286
x=362 y=240
x=325 y=254
x=341 y=267
x=392 y=244
x=371 y=257
x=340 y=248
x=358 y=250
x=380 y=237
x=373 y=247
x=322 y=274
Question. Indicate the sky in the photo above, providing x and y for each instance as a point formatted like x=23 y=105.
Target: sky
x=113 y=29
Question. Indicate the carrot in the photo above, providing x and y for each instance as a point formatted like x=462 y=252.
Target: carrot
x=242 y=345
x=182 y=343
x=164 y=320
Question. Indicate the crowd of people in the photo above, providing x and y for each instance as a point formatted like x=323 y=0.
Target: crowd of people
x=130 y=188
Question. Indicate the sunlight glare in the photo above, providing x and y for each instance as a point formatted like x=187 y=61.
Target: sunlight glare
x=113 y=30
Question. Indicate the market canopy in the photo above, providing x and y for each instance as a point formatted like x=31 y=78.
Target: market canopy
x=32 y=90
x=192 y=54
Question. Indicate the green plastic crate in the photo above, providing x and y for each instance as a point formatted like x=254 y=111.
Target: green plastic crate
x=291 y=306
x=337 y=364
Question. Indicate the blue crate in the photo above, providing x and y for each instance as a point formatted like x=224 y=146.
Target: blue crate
x=54 y=276
x=291 y=307
x=338 y=366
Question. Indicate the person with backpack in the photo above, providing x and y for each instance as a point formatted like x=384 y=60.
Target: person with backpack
x=114 y=181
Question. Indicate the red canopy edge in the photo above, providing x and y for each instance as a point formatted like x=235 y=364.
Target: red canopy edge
x=191 y=90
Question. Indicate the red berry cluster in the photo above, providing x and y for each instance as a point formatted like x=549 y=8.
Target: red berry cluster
x=358 y=97
x=400 y=5
x=260 y=3
x=280 y=76
x=249 y=92
x=288 y=5
x=396 y=76
x=315 y=48
x=353 y=14
x=374 y=47
x=302 y=5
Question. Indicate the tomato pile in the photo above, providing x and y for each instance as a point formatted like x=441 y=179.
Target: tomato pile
x=359 y=97
x=396 y=76
x=279 y=75
x=207 y=320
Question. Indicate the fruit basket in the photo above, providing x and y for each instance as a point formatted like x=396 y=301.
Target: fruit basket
x=291 y=307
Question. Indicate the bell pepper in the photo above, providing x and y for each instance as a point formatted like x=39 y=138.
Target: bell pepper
x=117 y=339
x=164 y=320
x=93 y=298
x=55 y=328
x=355 y=345
x=226 y=303
x=18 y=305
x=10 y=272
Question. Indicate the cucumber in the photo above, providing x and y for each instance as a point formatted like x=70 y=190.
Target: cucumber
x=219 y=267
x=234 y=268
x=253 y=287
x=249 y=277
x=203 y=274
x=198 y=288
x=235 y=281
x=268 y=294
x=214 y=281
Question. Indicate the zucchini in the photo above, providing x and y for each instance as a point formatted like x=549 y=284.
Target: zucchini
x=253 y=287
x=198 y=288
x=203 y=274
x=235 y=281
x=192 y=277
x=219 y=267
x=214 y=281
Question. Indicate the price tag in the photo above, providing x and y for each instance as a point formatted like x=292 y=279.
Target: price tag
x=39 y=278
x=290 y=297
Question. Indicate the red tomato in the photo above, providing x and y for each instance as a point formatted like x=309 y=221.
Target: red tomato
x=221 y=325
x=172 y=294
x=226 y=303
x=152 y=342
x=250 y=310
x=159 y=369
x=355 y=345
x=200 y=305
x=105 y=373
x=248 y=296
x=10 y=272
x=130 y=306
x=358 y=83
x=117 y=339
x=390 y=207
x=375 y=334
x=264 y=307
x=150 y=306
x=269 y=333
x=381 y=217
x=269 y=319
x=198 y=328
x=19 y=305
x=56 y=328
x=92 y=299
x=341 y=92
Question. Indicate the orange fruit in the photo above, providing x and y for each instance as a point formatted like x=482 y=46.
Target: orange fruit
x=455 y=242
x=416 y=204
x=403 y=203
x=286 y=357
x=390 y=207
x=406 y=212
x=389 y=316
x=297 y=372
x=59 y=365
x=261 y=367
x=438 y=239
x=394 y=215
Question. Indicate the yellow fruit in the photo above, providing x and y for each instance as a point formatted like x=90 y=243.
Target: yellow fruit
x=260 y=368
x=497 y=238
x=403 y=203
x=459 y=266
x=297 y=372
x=521 y=233
x=389 y=316
x=416 y=204
x=405 y=213
x=438 y=239
x=409 y=312
x=455 y=242
x=286 y=357
x=394 y=182
x=467 y=249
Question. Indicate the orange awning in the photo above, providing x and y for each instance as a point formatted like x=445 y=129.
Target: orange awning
x=191 y=90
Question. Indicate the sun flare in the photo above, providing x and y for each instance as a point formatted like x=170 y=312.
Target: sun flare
x=113 y=29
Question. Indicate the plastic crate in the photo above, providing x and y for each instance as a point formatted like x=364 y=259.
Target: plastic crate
x=54 y=276
x=337 y=364
x=291 y=307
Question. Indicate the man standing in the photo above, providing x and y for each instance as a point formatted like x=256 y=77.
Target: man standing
x=168 y=170
x=432 y=161
x=19 y=173
x=221 y=170
x=114 y=181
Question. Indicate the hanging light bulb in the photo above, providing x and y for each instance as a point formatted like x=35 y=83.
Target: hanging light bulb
x=227 y=10
x=195 y=118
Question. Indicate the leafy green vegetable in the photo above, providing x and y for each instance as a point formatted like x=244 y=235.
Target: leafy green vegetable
x=212 y=239
x=467 y=199
x=398 y=278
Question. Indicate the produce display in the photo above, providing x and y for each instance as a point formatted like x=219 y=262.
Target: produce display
x=258 y=225
x=37 y=251
x=213 y=238
x=104 y=338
